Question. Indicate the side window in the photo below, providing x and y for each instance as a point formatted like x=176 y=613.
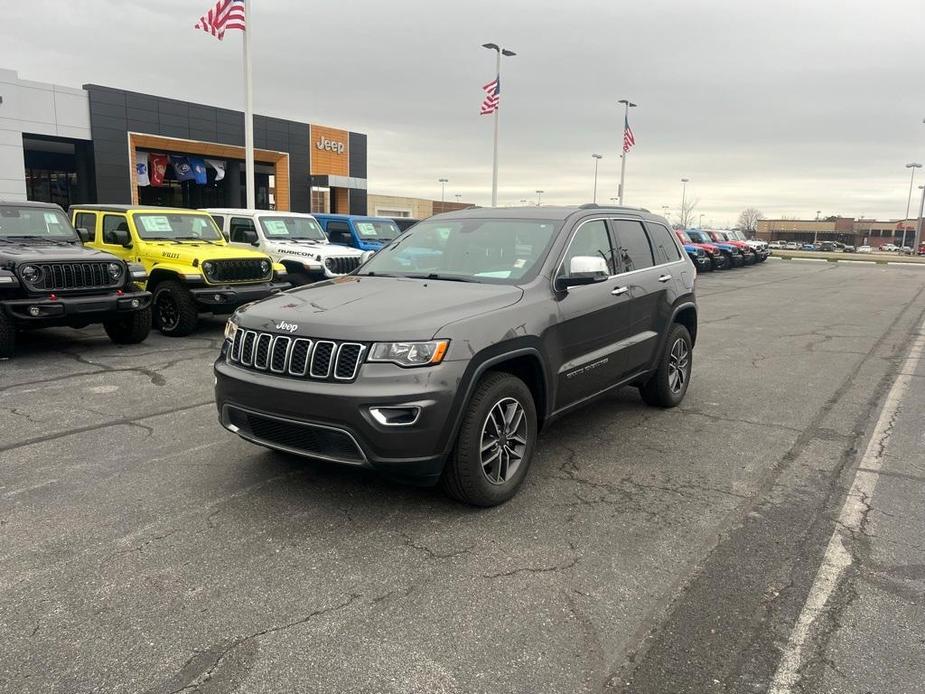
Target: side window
x=339 y=232
x=86 y=220
x=111 y=223
x=634 y=249
x=591 y=239
x=666 y=251
x=220 y=223
x=239 y=225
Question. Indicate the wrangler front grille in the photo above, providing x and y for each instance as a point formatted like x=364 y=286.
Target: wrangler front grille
x=342 y=265
x=298 y=357
x=245 y=270
x=61 y=276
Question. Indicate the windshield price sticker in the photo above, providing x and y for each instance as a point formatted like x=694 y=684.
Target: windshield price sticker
x=156 y=223
x=52 y=218
x=275 y=227
x=367 y=229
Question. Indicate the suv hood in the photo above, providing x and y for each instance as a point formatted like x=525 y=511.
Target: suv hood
x=188 y=251
x=371 y=309
x=312 y=250
x=18 y=253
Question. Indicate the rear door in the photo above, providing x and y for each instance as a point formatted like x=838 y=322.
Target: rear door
x=648 y=280
x=593 y=321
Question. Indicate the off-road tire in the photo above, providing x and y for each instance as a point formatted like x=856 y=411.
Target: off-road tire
x=7 y=337
x=131 y=328
x=187 y=315
x=463 y=476
x=658 y=391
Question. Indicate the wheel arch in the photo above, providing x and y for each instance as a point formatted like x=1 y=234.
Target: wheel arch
x=686 y=315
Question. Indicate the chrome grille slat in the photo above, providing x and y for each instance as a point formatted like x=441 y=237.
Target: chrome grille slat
x=300 y=357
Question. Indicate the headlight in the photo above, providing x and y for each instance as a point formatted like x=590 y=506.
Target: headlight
x=207 y=267
x=115 y=270
x=32 y=274
x=231 y=329
x=265 y=266
x=410 y=353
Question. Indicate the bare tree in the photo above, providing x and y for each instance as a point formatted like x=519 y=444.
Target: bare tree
x=748 y=219
x=686 y=216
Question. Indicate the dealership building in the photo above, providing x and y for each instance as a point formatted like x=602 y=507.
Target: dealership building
x=67 y=146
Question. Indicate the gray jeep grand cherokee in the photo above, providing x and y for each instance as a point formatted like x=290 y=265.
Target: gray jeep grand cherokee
x=443 y=356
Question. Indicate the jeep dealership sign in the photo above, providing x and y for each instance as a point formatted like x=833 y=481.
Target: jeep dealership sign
x=330 y=145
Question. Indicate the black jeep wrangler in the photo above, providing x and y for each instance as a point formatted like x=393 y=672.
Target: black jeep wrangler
x=441 y=357
x=47 y=278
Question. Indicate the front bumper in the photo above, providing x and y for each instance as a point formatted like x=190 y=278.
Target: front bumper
x=226 y=298
x=702 y=264
x=319 y=419
x=64 y=310
x=720 y=262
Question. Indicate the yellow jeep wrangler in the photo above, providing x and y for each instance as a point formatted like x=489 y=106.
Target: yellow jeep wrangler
x=191 y=268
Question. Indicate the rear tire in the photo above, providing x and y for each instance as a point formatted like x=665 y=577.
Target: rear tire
x=668 y=385
x=175 y=310
x=129 y=329
x=7 y=337
x=495 y=443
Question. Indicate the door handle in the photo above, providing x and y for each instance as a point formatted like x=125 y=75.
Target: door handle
x=664 y=278
x=620 y=290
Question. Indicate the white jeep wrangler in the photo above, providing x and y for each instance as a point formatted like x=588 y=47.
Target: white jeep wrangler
x=294 y=239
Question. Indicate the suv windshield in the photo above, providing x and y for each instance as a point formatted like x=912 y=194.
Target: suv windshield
x=293 y=228
x=35 y=222
x=477 y=250
x=179 y=227
x=377 y=230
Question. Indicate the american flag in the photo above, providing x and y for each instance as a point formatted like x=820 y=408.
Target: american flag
x=492 y=100
x=227 y=14
x=628 y=138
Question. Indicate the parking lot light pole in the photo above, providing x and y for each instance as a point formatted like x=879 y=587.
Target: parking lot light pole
x=494 y=158
x=911 y=165
x=597 y=158
x=539 y=197
x=816 y=229
x=443 y=182
x=684 y=182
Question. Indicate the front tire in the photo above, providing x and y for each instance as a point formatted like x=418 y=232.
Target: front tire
x=7 y=337
x=495 y=444
x=129 y=329
x=668 y=385
x=175 y=310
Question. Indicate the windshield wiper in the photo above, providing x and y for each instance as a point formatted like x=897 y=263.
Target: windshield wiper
x=372 y=273
x=445 y=278
x=160 y=238
x=195 y=238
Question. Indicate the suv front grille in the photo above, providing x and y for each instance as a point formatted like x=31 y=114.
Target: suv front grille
x=342 y=265
x=59 y=276
x=299 y=357
x=245 y=270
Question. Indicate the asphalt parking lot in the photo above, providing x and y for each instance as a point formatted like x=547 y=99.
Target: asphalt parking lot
x=145 y=549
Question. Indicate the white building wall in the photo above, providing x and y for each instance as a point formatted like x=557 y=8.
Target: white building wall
x=35 y=108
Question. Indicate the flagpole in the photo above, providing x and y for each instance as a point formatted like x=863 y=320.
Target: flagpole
x=626 y=119
x=494 y=161
x=622 y=175
x=249 y=112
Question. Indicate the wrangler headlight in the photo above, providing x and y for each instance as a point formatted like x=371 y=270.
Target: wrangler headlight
x=265 y=267
x=410 y=353
x=32 y=274
x=115 y=270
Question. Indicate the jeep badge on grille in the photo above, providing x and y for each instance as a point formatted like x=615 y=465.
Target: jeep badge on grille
x=289 y=327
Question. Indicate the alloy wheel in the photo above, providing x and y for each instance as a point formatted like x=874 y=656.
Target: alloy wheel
x=504 y=440
x=679 y=361
x=168 y=313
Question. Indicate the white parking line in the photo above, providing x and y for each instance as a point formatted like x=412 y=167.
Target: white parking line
x=837 y=558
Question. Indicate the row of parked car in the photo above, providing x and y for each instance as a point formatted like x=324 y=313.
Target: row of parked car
x=711 y=249
x=132 y=268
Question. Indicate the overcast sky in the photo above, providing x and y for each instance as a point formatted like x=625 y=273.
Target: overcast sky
x=790 y=107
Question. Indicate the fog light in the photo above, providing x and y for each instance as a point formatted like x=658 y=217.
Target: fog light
x=135 y=303
x=35 y=311
x=217 y=297
x=396 y=416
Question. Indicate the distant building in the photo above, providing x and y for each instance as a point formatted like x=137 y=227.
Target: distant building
x=415 y=208
x=857 y=232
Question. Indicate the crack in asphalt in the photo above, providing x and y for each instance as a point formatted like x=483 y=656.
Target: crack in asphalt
x=565 y=566
x=433 y=554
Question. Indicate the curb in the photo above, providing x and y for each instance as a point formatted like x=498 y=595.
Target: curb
x=847 y=260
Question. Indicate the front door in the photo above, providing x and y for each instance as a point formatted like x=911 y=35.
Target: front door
x=593 y=321
x=105 y=240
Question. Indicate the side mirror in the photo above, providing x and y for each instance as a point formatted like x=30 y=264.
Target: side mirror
x=84 y=234
x=366 y=256
x=121 y=237
x=249 y=236
x=585 y=269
